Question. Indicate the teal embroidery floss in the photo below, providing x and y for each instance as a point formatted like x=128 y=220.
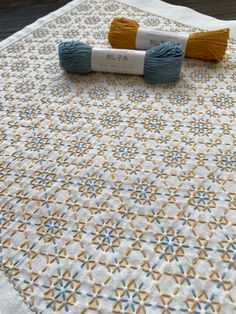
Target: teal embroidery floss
x=160 y=64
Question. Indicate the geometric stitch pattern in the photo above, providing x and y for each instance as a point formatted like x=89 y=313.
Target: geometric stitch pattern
x=116 y=196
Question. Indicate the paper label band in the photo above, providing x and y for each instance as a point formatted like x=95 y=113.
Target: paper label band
x=146 y=38
x=117 y=61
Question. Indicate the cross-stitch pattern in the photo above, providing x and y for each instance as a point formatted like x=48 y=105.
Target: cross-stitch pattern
x=116 y=196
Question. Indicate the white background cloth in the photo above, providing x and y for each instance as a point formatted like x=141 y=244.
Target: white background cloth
x=9 y=299
x=182 y=15
x=177 y=13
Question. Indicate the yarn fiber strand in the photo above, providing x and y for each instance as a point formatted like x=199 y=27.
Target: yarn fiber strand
x=75 y=57
x=162 y=64
x=209 y=45
x=123 y=33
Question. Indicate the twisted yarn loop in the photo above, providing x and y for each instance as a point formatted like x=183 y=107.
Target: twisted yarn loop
x=209 y=45
x=75 y=57
x=122 y=33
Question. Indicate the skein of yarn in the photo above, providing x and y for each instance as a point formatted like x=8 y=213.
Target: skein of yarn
x=211 y=45
x=160 y=64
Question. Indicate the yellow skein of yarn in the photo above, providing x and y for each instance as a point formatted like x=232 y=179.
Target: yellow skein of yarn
x=123 y=33
x=210 y=45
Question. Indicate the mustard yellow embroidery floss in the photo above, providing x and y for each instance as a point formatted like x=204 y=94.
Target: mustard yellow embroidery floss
x=123 y=33
x=209 y=45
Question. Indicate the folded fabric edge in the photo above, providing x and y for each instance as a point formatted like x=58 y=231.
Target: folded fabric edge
x=182 y=15
x=10 y=300
x=179 y=14
x=38 y=23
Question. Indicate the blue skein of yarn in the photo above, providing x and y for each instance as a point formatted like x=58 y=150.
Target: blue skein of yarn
x=162 y=63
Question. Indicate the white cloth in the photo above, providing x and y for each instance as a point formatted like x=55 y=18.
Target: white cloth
x=183 y=15
x=10 y=301
x=201 y=90
x=180 y=14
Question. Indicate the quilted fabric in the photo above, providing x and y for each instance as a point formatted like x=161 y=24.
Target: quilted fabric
x=116 y=196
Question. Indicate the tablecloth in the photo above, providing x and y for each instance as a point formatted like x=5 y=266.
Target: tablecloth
x=116 y=196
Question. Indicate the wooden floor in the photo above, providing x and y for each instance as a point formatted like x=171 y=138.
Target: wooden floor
x=15 y=14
